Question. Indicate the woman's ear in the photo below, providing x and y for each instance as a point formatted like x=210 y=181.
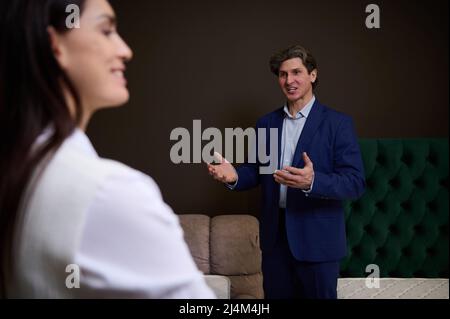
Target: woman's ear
x=56 y=45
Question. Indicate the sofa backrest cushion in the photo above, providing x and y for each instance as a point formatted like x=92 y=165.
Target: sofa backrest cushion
x=227 y=245
x=229 y=256
x=196 y=234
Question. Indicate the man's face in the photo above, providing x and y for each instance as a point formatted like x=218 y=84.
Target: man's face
x=294 y=80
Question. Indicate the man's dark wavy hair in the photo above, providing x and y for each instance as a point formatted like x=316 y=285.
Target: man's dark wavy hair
x=294 y=51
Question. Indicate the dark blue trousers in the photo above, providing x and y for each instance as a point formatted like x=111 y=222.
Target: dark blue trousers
x=287 y=278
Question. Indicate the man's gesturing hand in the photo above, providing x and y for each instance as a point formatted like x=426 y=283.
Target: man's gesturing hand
x=296 y=177
x=223 y=172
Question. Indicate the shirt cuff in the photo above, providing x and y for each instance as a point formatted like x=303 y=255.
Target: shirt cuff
x=307 y=191
x=232 y=185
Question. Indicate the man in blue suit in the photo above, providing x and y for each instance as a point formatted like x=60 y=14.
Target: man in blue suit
x=302 y=224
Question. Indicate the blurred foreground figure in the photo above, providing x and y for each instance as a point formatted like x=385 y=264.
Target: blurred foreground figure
x=71 y=223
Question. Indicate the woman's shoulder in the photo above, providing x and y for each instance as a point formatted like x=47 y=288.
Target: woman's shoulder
x=78 y=173
x=78 y=158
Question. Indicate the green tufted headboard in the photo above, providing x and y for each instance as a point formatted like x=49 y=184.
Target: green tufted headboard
x=401 y=222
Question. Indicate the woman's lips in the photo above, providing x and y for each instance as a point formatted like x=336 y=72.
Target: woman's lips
x=118 y=73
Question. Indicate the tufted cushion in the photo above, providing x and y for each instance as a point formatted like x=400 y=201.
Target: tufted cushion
x=401 y=222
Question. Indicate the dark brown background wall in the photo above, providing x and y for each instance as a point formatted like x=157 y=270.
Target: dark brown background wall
x=208 y=60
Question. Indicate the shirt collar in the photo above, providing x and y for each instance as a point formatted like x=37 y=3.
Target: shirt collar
x=303 y=113
x=78 y=139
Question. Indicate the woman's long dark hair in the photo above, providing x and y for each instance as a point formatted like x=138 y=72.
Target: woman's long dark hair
x=31 y=98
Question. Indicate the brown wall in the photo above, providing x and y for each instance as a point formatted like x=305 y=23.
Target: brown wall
x=208 y=60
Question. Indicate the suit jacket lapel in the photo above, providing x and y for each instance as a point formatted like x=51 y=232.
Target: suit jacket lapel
x=313 y=121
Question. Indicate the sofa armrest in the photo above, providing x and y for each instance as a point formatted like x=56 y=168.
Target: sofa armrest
x=220 y=285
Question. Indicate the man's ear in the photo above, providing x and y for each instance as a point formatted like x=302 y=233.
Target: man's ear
x=313 y=75
x=56 y=45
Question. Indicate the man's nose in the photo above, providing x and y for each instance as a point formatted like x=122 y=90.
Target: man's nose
x=289 y=79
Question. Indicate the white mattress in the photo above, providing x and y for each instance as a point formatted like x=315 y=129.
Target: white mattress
x=394 y=288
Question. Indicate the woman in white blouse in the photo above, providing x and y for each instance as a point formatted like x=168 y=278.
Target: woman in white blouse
x=71 y=223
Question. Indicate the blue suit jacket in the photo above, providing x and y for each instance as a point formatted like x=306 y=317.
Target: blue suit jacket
x=315 y=222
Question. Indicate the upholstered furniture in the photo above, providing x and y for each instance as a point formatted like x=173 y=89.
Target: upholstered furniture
x=401 y=222
x=399 y=225
x=393 y=288
x=226 y=245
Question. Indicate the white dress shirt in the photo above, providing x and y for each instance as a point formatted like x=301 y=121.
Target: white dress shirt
x=132 y=244
x=292 y=130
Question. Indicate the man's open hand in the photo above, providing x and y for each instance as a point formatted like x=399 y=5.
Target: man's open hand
x=223 y=172
x=296 y=177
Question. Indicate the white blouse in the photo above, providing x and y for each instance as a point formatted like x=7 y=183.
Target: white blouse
x=132 y=243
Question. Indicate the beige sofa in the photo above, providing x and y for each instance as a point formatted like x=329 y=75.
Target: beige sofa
x=226 y=249
x=226 y=245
